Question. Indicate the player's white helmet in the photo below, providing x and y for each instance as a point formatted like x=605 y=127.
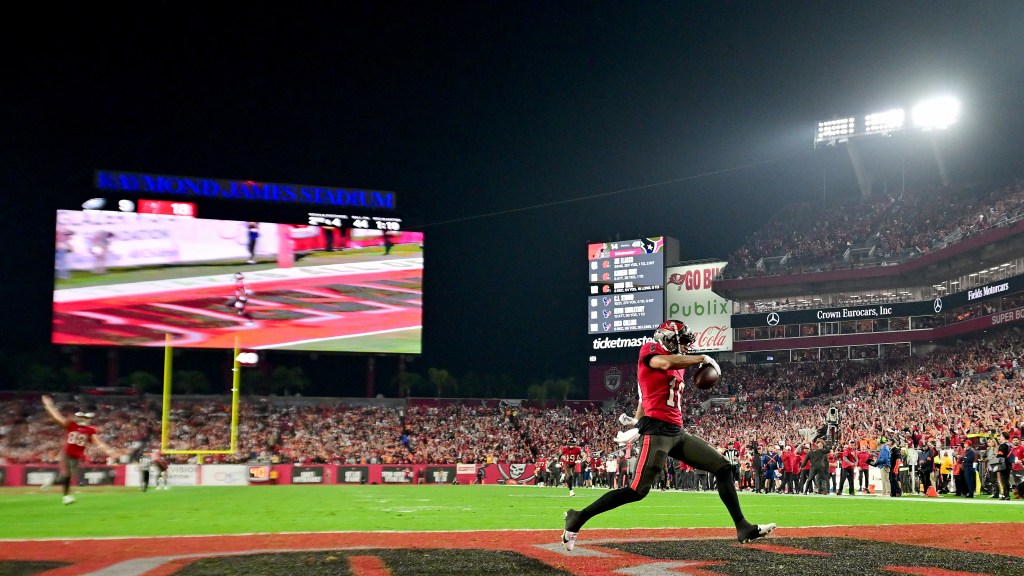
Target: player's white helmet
x=239 y=276
x=83 y=418
x=674 y=336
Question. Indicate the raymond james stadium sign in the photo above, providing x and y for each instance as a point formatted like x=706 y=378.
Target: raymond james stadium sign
x=158 y=184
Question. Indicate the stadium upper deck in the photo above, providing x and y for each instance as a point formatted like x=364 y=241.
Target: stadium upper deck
x=866 y=279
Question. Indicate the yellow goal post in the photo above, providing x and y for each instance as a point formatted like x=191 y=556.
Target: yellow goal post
x=165 y=420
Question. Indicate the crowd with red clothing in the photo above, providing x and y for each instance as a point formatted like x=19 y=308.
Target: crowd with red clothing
x=974 y=388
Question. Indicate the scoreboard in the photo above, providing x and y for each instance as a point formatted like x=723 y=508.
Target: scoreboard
x=626 y=280
x=147 y=260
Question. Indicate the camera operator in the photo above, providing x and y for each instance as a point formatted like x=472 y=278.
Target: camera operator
x=832 y=422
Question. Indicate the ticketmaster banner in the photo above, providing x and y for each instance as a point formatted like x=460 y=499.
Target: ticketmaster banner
x=688 y=297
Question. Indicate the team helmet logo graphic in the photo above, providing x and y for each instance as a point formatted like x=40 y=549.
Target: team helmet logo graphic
x=514 y=473
x=613 y=379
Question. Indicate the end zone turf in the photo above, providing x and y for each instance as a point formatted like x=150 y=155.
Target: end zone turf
x=932 y=550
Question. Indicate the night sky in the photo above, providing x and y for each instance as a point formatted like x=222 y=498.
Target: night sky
x=513 y=133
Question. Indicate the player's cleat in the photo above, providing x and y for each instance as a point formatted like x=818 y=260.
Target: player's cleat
x=69 y=499
x=571 y=493
x=568 y=536
x=753 y=532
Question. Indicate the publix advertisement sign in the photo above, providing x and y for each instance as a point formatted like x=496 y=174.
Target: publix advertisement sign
x=688 y=297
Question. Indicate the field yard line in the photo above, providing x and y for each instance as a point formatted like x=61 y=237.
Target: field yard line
x=553 y=529
x=138 y=566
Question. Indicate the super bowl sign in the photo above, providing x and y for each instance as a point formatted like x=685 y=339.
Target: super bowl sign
x=688 y=297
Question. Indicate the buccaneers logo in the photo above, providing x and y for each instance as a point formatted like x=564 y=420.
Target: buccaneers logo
x=515 y=473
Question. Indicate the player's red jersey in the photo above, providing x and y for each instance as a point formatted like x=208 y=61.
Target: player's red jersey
x=660 y=390
x=1018 y=457
x=570 y=456
x=862 y=459
x=849 y=458
x=76 y=438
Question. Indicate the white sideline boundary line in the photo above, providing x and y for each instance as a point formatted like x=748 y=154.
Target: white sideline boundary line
x=312 y=340
x=632 y=529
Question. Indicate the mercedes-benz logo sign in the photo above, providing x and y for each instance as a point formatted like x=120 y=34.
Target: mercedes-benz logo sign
x=937 y=305
x=773 y=318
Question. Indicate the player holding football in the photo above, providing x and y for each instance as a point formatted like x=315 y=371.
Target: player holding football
x=78 y=433
x=659 y=422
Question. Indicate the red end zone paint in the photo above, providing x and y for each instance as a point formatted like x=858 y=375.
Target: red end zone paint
x=368 y=566
x=91 y=555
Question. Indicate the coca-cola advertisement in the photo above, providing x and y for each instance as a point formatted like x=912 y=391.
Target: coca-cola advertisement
x=688 y=297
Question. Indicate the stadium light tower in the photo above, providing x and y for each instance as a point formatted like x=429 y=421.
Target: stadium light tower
x=929 y=115
x=936 y=114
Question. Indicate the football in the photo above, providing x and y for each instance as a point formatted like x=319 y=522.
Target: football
x=706 y=377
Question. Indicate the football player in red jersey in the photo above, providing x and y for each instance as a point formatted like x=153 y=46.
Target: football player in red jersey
x=660 y=424
x=572 y=455
x=78 y=433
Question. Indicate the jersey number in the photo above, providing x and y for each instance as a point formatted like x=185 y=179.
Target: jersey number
x=77 y=438
x=675 y=391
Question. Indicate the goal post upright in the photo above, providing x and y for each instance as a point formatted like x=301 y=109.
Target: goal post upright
x=165 y=421
x=236 y=379
x=165 y=418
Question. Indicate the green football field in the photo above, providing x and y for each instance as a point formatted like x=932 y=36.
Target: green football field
x=109 y=512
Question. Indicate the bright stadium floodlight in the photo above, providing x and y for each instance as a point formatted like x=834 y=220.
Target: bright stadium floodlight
x=936 y=114
x=838 y=130
x=884 y=122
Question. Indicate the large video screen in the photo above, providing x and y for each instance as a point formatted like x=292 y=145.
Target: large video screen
x=139 y=279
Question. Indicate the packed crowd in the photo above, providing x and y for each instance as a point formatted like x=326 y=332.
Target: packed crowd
x=976 y=387
x=814 y=236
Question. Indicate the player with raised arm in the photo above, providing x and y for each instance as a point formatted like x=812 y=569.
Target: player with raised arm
x=78 y=433
x=660 y=371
